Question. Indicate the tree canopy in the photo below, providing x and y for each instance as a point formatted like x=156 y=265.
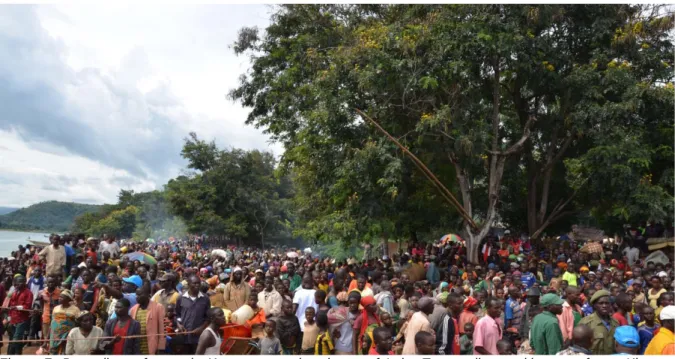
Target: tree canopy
x=522 y=110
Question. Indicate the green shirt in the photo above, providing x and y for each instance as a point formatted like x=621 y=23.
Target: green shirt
x=603 y=338
x=545 y=335
x=296 y=282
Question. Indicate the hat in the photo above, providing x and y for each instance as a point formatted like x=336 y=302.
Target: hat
x=515 y=265
x=550 y=299
x=67 y=293
x=135 y=280
x=259 y=271
x=662 y=274
x=583 y=269
x=534 y=292
x=496 y=279
x=599 y=294
x=668 y=313
x=443 y=297
x=627 y=336
x=236 y=269
x=492 y=266
x=284 y=269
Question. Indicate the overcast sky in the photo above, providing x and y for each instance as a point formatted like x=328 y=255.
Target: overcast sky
x=99 y=98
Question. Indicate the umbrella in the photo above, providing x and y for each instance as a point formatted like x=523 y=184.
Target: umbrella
x=141 y=256
x=592 y=247
x=150 y=240
x=219 y=252
x=292 y=255
x=451 y=238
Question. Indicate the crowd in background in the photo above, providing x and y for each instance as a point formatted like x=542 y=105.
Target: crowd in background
x=188 y=295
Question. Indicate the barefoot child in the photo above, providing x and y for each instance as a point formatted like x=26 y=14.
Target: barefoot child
x=270 y=344
x=311 y=332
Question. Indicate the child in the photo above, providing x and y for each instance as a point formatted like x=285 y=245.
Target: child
x=465 y=341
x=324 y=343
x=270 y=344
x=383 y=342
x=311 y=332
x=424 y=343
x=504 y=347
x=288 y=328
x=647 y=328
x=388 y=323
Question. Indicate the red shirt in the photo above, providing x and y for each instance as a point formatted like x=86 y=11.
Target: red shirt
x=620 y=318
x=118 y=348
x=92 y=255
x=23 y=298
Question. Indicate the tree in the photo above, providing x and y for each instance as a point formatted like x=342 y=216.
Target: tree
x=476 y=91
x=232 y=193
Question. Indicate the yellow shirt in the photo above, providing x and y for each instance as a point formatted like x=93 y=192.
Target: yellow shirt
x=571 y=279
x=662 y=343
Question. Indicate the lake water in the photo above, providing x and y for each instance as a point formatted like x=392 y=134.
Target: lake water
x=10 y=240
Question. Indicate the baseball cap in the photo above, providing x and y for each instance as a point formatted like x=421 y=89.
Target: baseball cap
x=550 y=299
x=135 y=280
x=627 y=336
x=668 y=313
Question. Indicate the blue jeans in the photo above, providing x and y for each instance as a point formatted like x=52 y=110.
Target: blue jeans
x=19 y=330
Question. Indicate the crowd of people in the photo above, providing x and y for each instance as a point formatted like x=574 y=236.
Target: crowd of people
x=186 y=296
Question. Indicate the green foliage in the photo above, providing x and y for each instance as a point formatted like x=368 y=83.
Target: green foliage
x=234 y=193
x=473 y=90
x=46 y=216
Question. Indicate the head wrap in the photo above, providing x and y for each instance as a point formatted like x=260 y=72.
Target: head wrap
x=443 y=285
x=67 y=293
x=469 y=302
x=368 y=300
x=236 y=269
x=342 y=297
x=443 y=297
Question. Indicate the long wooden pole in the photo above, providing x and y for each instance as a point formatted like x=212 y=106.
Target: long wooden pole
x=425 y=170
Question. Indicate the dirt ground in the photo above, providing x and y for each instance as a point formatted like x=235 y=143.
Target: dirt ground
x=26 y=350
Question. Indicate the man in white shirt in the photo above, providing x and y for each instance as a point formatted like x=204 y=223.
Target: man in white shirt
x=109 y=245
x=632 y=254
x=302 y=299
x=55 y=256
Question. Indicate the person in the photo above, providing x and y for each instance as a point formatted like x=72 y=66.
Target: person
x=36 y=282
x=663 y=342
x=77 y=341
x=236 y=292
x=210 y=339
x=269 y=299
x=571 y=276
x=624 y=306
x=647 y=328
x=150 y=316
x=344 y=333
x=582 y=340
x=48 y=299
x=270 y=344
x=546 y=337
x=384 y=298
x=294 y=278
x=664 y=300
x=602 y=324
x=20 y=304
x=383 y=342
x=571 y=314
x=513 y=311
x=655 y=292
x=466 y=340
x=55 y=256
x=504 y=347
x=488 y=330
x=468 y=315
x=288 y=328
x=419 y=323
x=129 y=286
x=310 y=331
x=303 y=299
x=447 y=331
x=627 y=340
x=63 y=319
x=122 y=326
x=168 y=294
x=324 y=343
x=191 y=313
x=257 y=321
x=424 y=343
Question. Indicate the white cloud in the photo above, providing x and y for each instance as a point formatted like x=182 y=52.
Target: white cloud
x=101 y=96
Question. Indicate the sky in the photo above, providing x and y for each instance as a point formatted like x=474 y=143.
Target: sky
x=98 y=98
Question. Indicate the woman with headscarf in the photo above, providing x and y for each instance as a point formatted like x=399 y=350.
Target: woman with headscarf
x=468 y=315
x=364 y=325
x=64 y=318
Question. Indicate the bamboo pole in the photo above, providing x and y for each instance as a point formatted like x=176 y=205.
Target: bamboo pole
x=425 y=170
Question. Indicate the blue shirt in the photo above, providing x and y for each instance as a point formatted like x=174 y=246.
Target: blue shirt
x=513 y=312
x=69 y=251
x=587 y=309
x=528 y=279
x=646 y=334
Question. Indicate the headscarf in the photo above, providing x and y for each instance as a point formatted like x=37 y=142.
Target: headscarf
x=469 y=303
x=342 y=297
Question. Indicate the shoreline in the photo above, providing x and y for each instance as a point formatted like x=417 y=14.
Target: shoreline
x=28 y=231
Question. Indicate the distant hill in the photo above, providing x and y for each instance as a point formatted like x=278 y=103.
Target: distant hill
x=5 y=210
x=46 y=216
